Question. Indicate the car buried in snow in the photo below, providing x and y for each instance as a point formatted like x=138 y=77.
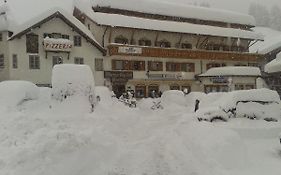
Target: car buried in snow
x=253 y=104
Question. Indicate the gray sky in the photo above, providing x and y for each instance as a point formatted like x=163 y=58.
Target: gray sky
x=233 y=5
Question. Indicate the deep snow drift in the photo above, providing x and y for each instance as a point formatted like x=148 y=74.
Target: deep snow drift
x=118 y=140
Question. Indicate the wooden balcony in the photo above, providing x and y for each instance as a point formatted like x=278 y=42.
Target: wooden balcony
x=128 y=50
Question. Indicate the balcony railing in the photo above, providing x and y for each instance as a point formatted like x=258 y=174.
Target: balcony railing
x=129 y=50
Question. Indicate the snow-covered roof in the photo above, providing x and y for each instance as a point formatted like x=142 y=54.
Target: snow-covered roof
x=56 y=12
x=178 y=10
x=116 y=20
x=232 y=71
x=272 y=40
x=274 y=65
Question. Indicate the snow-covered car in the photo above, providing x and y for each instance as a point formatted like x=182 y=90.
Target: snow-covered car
x=253 y=104
x=13 y=93
x=73 y=81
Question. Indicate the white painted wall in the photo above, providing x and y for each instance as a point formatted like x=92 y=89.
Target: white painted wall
x=43 y=75
x=4 y=73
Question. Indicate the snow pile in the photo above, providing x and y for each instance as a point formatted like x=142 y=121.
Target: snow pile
x=272 y=40
x=105 y=95
x=13 y=93
x=173 y=98
x=274 y=65
x=183 y=10
x=232 y=71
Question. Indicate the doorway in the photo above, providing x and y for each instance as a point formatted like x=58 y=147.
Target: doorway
x=118 y=90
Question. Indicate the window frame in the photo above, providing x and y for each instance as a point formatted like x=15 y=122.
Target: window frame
x=2 y=61
x=15 y=61
x=77 y=40
x=32 y=43
x=34 y=62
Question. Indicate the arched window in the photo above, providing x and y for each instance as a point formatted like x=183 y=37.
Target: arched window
x=144 y=42
x=121 y=40
x=163 y=43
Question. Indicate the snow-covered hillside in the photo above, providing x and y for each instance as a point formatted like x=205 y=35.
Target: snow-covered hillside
x=118 y=140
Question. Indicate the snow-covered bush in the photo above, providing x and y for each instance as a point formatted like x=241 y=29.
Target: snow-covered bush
x=71 y=81
x=13 y=93
x=211 y=114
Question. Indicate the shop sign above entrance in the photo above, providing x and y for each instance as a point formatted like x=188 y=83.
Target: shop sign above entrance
x=130 y=50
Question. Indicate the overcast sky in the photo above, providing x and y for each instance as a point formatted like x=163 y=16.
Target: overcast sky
x=234 y=5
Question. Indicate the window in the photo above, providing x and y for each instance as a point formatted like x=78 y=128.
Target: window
x=239 y=87
x=79 y=60
x=2 y=64
x=249 y=86
x=65 y=36
x=99 y=64
x=139 y=65
x=174 y=87
x=57 y=60
x=56 y=35
x=180 y=67
x=144 y=42
x=186 y=46
x=173 y=67
x=15 y=61
x=164 y=44
x=77 y=41
x=121 y=40
x=34 y=62
x=155 y=66
x=187 y=67
x=140 y=91
x=32 y=44
x=240 y=64
x=89 y=26
x=117 y=65
x=211 y=65
x=1 y=36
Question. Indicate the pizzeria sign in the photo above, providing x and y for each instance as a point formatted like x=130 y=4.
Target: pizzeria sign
x=51 y=44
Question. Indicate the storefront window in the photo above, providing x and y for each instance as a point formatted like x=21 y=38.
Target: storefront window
x=140 y=91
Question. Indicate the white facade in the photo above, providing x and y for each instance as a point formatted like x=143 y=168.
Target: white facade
x=42 y=76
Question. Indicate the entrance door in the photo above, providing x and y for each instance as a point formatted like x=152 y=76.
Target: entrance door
x=140 y=91
x=118 y=90
x=153 y=91
x=57 y=60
